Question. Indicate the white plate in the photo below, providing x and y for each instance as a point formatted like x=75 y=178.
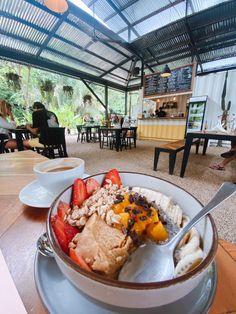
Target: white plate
x=52 y=285
x=34 y=195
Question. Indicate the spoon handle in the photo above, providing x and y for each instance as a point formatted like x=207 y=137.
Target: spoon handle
x=224 y=192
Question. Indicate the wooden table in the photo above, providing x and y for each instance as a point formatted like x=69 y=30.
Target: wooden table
x=20 y=227
x=206 y=136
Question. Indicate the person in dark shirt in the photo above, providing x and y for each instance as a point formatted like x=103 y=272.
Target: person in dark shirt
x=42 y=119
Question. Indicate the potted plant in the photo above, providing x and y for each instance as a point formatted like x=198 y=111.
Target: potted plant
x=47 y=86
x=13 y=80
x=87 y=99
x=68 y=90
x=225 y=108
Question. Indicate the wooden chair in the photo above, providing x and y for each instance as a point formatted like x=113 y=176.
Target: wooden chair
x=54 y=143
x=2 y=143
x=123 y=140
x=81 y=133
x=105 y=137
x=131 y=137
x=95 y=134
x=172 y=148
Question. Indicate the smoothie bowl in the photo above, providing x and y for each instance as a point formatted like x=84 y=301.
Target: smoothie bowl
x=94 y=226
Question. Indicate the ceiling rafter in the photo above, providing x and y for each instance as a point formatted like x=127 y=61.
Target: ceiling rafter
x=26 y=59
x=83 y=29
x=101 y=28
x=52 y=33
x=131 y=70
x=152 y=14
x=126 y=6
x=47 y=33
x=34 y=44
x=192 y=39
x=121 y=15
x=116 y=67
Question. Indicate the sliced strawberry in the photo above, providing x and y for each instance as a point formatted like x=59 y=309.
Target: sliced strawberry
x=53 y=219
x=58 y=227
x=62 y=209
x=78 y=259
x=70 y=231
x=114 y=176
x=79 y=192
x=91 y=186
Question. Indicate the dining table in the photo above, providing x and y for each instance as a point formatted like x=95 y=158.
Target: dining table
x=22 y=225
x=89 y=129
x=117 y=133
x=206 y=136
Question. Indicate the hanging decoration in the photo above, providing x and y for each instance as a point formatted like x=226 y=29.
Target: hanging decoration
x=58 y=6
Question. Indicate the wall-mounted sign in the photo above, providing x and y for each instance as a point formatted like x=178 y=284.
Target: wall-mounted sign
x=179 y=81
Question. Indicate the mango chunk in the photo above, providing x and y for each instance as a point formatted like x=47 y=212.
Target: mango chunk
x=124 y=217
x=157 y=232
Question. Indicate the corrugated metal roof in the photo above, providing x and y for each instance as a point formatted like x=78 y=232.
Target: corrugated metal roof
x=16 y=28
x=18 y=45
x=77 y=40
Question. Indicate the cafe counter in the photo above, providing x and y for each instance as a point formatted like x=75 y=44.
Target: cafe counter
x=166 y=129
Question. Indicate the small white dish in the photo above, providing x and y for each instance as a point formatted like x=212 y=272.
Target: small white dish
x=34 y=195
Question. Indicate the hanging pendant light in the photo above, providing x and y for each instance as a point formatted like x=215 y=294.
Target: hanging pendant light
x=58 y=6
x=166 y=71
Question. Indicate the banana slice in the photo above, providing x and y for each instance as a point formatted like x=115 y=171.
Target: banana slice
x=174 y=212
x=188 y=253
x=166 y=204
x=152 y=196
x=177 y=214
x=190 y=247
x=188 y=263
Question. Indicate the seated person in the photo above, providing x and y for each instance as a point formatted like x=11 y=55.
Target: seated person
x=7 y=122
x=228 y=157
x=42 y=119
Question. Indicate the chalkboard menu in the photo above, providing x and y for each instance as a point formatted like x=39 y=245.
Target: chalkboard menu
x=179 y=81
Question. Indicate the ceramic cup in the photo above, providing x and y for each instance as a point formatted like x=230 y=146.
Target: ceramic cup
x=57 y=174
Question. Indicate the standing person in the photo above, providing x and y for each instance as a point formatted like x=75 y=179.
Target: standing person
x=7 y=122
x=42 y=119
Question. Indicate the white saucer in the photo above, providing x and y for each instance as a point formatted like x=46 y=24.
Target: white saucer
x=34 y=195
x=60 y=296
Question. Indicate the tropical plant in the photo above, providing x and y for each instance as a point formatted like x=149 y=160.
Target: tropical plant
x=68 y=90
x=87 y=99
x=225 y=109
x=47 y=90
x=47 y=86
x=13 y=81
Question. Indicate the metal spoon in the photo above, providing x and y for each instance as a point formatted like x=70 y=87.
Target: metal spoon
x=152 y=262
x=44 y=246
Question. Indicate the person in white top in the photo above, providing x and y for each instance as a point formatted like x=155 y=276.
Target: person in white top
x=7 y=122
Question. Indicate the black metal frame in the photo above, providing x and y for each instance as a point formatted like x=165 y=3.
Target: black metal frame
x=192 y=28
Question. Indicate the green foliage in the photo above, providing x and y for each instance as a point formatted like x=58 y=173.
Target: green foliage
x=66 y=116
x=68 y=90
x=21 y=114
x=59 y=93
x=13 y=81
x=116 y=101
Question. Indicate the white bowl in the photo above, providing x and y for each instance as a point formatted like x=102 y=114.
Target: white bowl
x=140 y=295
x=55 y=182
